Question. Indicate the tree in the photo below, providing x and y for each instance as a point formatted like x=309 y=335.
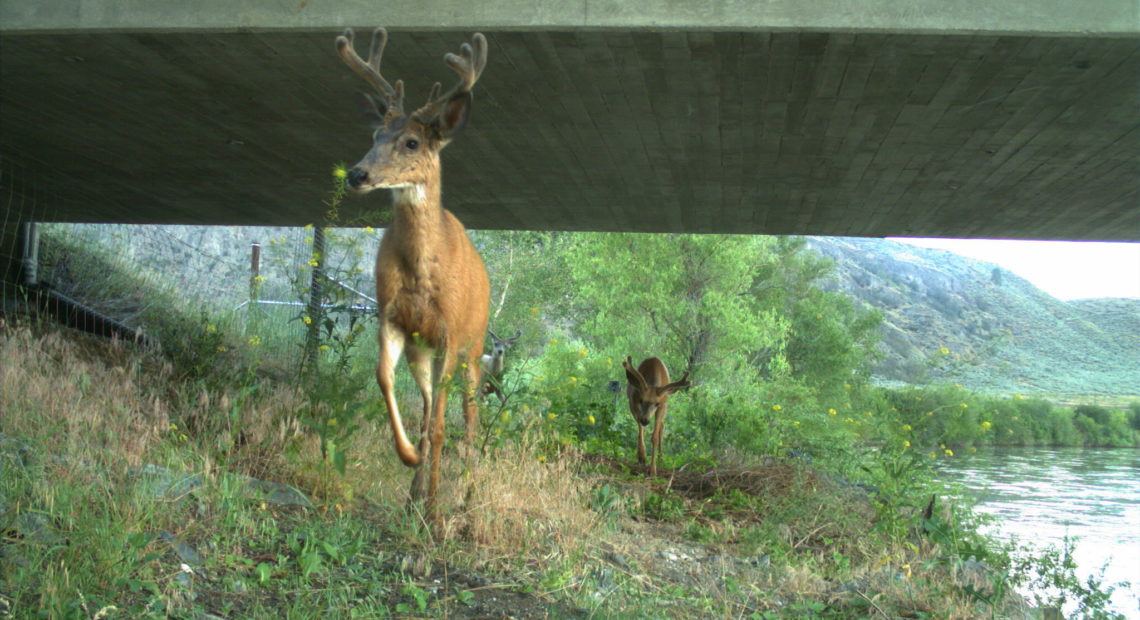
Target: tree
x=685 y=298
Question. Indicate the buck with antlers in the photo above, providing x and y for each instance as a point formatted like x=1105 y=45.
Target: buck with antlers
x=495 y=364
x=648 y=391
x=431 y=284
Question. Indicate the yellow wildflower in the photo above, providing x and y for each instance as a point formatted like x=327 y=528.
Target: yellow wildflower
x=949 y=452
x=590 y=419
x=986 y=425
x=776 y=407
x=907 y=427
x=552 y=416
x=944 y=351
x=832 y=411
x=369 y=229
x=211 y=329
x=906 y=444
x=339 y=172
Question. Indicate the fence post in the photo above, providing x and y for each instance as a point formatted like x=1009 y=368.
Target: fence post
x=315 y=310
x=254 y=272
x=253 y=309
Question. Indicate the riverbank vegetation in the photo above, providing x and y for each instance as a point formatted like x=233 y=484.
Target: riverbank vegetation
x=219 y=476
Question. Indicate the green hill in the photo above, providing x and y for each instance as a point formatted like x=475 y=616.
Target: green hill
x=952 y=319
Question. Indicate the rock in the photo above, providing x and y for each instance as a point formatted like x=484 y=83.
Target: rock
x=163 y=483
x=276 y=493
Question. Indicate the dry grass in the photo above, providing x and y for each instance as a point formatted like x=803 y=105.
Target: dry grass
x=510 y=514
x=80 y=396
x=517 y=502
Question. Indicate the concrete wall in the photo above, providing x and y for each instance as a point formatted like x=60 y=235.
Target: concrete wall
x=1077 y=17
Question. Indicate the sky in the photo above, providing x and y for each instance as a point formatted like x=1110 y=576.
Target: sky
x=1064 y=269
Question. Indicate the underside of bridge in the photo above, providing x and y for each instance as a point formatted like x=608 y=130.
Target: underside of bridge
x=905 y=119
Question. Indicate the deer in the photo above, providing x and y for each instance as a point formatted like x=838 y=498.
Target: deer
x=648 y=391
x=432 y=287
x=495 y=364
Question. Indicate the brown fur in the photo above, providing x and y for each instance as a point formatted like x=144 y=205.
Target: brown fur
x=648 y=392
x=431 y=284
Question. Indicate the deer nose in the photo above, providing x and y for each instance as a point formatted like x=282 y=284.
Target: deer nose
x=357 y=177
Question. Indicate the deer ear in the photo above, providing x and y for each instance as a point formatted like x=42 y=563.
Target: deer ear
x=371 y=109
x=453 y=117
x=635 y=379
x=680 y=384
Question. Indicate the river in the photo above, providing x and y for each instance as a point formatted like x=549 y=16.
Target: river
x=1042 y=495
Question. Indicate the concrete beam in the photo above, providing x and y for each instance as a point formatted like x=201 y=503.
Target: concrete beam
x=1052 y=17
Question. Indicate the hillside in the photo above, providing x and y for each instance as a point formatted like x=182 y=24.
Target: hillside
x=1001 y=334
x=953 y=319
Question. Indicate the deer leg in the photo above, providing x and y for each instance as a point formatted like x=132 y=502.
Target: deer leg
x=442 y=365
x=658 y=431
x=391 y=346
x=420 y=364
x=470 y=397
x=640 y=444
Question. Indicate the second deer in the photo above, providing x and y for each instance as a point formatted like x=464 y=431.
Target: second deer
x=494 y=364
x=432 y=287
x=648 y=391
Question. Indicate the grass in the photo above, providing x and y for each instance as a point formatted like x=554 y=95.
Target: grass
x=122 y=497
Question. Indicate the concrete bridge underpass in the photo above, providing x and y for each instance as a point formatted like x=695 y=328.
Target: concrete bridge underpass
x=974 y=118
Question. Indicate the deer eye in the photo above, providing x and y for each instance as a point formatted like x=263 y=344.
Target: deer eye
x=411 y=144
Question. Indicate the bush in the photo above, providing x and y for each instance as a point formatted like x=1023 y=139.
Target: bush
x=1097 y=413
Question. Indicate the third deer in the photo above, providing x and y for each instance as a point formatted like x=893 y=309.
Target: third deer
x=494 y=364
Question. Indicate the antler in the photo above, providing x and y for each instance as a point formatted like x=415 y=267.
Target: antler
x=468 y=64
x=370 y=70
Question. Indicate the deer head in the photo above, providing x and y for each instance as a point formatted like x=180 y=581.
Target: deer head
x=405 y=147
x=649 y=387
x=648 y=391
x=499 y=347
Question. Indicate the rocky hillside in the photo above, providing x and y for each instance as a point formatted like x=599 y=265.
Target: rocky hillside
x=953 y=319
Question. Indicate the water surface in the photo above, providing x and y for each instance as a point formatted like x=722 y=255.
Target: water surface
x=1042 y=495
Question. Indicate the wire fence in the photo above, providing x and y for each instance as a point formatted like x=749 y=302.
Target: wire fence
x=276 y=284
